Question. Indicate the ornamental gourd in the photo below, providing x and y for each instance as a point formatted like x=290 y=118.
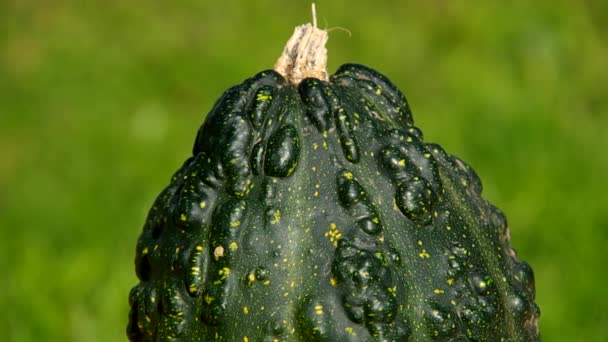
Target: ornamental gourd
x=311 y=209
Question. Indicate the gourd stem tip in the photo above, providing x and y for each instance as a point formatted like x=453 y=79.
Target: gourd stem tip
x=304 y=54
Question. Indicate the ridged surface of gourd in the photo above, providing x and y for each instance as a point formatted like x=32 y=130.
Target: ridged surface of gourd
x=317 y=212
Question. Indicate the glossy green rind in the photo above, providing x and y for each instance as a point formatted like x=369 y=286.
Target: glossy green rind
x=317 y=213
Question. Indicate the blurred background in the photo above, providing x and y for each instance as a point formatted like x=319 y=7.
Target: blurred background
x=100 y=102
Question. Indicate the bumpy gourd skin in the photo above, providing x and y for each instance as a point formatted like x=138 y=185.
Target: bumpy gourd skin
x=317 y=213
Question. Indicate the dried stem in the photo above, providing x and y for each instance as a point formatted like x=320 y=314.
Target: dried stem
x=304 y=54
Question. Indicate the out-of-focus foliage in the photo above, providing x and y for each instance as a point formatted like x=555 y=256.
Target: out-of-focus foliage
x=100 y=102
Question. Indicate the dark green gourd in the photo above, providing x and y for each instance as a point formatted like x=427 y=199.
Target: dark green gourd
x=312 y=209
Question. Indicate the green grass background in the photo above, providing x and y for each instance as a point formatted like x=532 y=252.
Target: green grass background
x=100 y=102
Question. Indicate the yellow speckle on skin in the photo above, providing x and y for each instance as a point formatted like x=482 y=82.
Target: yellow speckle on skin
x=233 y=245
x=348 y=175
x=427 y=155
x=450 y=281
x=199 y=248
x=316 y=194
x=183 y=217
x=448 y=228
x=235 y=224
x=334 y=234
x=218 y=251
x=203 y=204
x=315 y=146
x=438 y=291
x=245 y=339
x=419 y=242
x=402 y=162
x=376 y=220
x=224 y=273
x=314 y=168
x=333 y=281
x=325 y=144
x=263 y=97
x=424 y=254
x=245 y=310
x=319 y=309
x=292 y=168
x=276 y=217
x=324 y=134
x=144 y=251
x=378 y=91
x=350 y=331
